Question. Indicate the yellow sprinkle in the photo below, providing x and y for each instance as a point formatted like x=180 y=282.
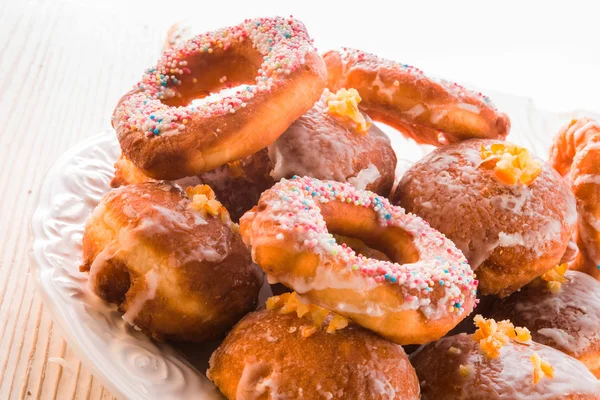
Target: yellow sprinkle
x=396 y=83
x=454 y=350
x=541 y=368
x=465 y=370
x=344 y=103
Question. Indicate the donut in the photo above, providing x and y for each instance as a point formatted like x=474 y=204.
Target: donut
x=173 y=262
x=564 y=315
x=263 y=74
x=575 y=154
x=418 y=298
x=322 y=143
x=510 y=214
x=272 y=354
x=456 y=367
x=427 y=110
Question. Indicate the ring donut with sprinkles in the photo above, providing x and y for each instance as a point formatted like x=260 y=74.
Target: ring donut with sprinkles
x=427 y=110
x=575 y=153
x=418 y=298
x=257 y=77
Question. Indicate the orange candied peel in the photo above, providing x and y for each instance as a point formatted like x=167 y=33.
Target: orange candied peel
x=511 y=163
x=344 y=103
x=205 y=202
x=555 y=277
x=492 y=335
x=541 y=368
x=288 y=303
x=235 y=169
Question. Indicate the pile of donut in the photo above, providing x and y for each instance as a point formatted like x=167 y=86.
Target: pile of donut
x=247 y=154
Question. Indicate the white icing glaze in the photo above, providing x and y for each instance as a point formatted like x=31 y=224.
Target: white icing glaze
x=443 y=193
x=310 y=147
x=507 y=377
x=587 y=178
x=365 y=177
x=136 y=304
x=129 y=363
x=256 y=380
x=575 y=307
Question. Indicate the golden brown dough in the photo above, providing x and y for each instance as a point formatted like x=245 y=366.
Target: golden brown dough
x=510 y=233
x=566 y=318
x=317 y=144
x=456 y=368
x=175 y=266
x=575 y=154
x=266 y=356
x=258 y=90
x=427 y=110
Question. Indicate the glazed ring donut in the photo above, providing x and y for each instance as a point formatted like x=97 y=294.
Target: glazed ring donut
x=318 y=144
x=273 y=76
x=456 y=368
x=424 y=109
x=511 y=232
x=566 y=318
x=418 y=298
x=175 y=265
x=575 y=153
x=268 y=356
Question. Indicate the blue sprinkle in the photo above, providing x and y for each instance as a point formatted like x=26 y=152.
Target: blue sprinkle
x=388 y=216
x=393 y=279
x=441 y=283
x=156 y=131
x=387 y=276
x=314 y=193
x=152 y=117
x=457 y=305
x=164 y=84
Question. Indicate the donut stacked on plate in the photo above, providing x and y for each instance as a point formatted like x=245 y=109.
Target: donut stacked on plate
x=262 y=130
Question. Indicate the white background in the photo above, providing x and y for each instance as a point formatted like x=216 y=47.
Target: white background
x=547 y=50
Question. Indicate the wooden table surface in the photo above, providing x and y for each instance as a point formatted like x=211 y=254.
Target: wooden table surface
x=63 y=66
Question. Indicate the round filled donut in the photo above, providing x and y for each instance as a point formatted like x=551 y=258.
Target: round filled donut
x=263 y=74
x=275 y=355
x=326 y=142
x=565 y=315
x=510 y=214
x=575 y=154
x=173 y=262
x=427 y=110
x=455 y=367
x=419 y=297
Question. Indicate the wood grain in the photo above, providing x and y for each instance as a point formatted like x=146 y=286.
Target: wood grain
x=57 y=88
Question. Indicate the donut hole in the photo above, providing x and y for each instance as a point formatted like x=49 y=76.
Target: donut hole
x=360 y=224
x=211 y=73
x=361 y=247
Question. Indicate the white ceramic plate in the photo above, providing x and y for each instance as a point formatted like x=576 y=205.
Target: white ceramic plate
x=127 y=362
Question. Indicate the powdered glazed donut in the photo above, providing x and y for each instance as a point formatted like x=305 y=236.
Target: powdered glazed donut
x=274 y=354
x=575 y=154
x=455 y=367
x=273 y=75
x=427 y=110
x=566 y=318
x=322 y=144
x=172 y=262
x=511 y=232
x=418 y=298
